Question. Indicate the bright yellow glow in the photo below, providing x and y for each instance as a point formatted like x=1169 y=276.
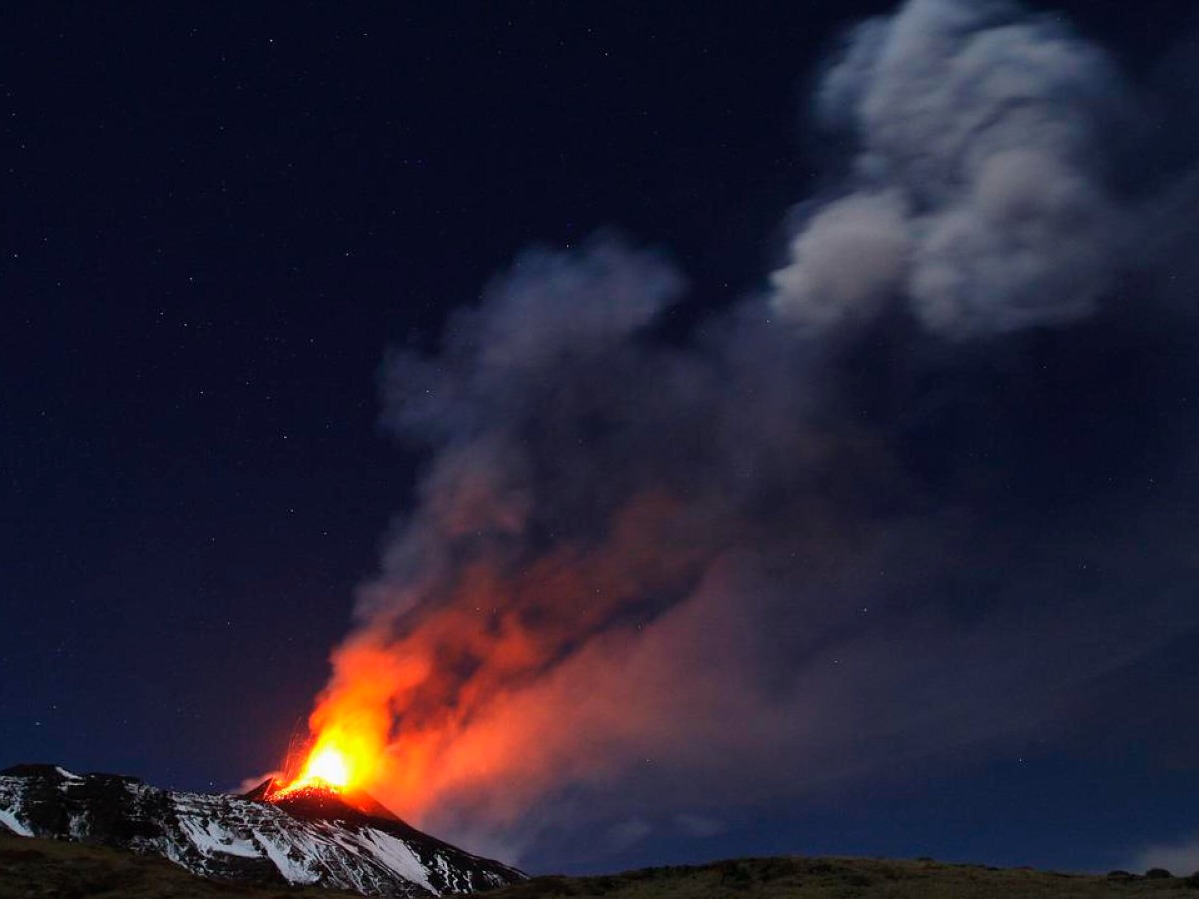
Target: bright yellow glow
x=330 y=765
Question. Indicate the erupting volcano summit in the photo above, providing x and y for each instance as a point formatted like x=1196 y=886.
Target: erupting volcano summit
x=310 y=832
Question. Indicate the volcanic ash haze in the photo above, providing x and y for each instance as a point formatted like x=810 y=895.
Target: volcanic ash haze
x=893 y=503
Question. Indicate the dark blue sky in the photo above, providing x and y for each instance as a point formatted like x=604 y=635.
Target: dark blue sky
x=217 y=223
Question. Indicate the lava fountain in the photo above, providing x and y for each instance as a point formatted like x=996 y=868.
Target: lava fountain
x=327 y=768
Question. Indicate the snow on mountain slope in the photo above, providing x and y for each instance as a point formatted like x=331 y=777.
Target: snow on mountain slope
x=317 y=840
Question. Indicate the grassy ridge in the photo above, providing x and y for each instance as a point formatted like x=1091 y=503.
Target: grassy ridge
x=32 y=867
x=840 y=878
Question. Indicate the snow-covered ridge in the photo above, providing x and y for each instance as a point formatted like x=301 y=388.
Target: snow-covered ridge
x=241 y=839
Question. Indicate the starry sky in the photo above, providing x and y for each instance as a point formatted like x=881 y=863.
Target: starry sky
x=221 y=224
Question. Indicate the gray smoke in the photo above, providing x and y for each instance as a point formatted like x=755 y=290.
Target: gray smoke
x=977 y=194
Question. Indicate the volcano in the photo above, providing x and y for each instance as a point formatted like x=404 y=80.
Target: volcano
x=318 y=836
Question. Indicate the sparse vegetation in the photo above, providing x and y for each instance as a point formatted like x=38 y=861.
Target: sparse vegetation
x=31 y=867
x=844 y=878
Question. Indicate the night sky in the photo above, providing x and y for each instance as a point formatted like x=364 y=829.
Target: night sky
x=235 y=376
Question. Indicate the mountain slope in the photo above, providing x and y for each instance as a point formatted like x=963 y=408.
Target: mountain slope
x=33 y=867
x=312 y=839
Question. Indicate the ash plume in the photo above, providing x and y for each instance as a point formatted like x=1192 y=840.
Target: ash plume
x=894 y=504
x=977 y=191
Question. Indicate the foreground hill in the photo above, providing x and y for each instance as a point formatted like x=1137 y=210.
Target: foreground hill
x=839 y=878
x=36 y=867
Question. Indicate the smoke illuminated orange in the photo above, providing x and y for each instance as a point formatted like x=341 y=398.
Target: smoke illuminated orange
x=465 y=703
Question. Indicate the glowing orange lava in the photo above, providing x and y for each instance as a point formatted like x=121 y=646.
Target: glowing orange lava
x=328 y=767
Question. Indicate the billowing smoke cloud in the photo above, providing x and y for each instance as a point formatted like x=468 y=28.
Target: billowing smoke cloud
x=648 y=577
x=976 y=194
